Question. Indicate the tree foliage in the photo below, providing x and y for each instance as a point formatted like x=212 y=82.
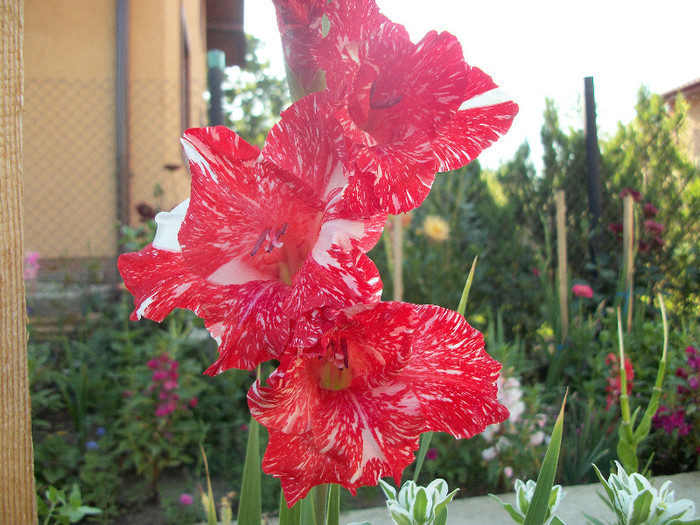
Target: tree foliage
x=253 y=96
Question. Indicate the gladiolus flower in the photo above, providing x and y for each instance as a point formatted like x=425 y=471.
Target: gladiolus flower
x=350 y=409
x=255 y=245
x=409 y=109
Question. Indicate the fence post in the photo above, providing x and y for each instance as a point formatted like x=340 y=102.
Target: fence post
x=17 y=496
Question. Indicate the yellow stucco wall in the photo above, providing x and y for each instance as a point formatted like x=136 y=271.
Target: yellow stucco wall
x=70 y=116
x=159 y=30
x=69 y=137
x=693 y=129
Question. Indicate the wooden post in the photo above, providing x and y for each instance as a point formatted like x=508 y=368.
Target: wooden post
x=562 y=265
x=628 y=255
x=17 y=496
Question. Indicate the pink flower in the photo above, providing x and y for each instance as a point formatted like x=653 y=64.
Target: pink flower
x=31 y=265
x=582 y=290
x=350 y=409
x=654 y=227
x=650 y=210
x=166 y=409
x=186 y=499
x=431 y=454
x=634 y=193
x=616 y=227
x=193 y=402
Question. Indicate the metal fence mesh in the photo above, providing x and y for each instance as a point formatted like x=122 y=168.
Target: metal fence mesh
x=70 y=208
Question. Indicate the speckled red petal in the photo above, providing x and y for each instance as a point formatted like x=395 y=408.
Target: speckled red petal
x=159 y=281
x=451 y=374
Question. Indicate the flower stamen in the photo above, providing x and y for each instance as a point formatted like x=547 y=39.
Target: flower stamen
x=272 y=239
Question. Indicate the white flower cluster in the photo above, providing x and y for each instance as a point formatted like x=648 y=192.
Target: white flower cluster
x=523 y=497
x=416 y=505
x=636 y=502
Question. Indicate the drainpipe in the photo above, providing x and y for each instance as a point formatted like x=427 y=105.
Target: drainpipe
x=122 y=116
x=216 y=62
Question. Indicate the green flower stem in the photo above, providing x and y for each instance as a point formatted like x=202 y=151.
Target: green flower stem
x=422 y=451
x=628 y=437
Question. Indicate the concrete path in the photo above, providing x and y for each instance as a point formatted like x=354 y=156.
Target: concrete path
x=582 y=498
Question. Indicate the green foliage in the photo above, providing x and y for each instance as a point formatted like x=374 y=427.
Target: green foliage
x=63 y=509
x=254 y=98
x=648 y=155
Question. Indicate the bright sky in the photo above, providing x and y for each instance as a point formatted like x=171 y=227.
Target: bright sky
x=544 y=48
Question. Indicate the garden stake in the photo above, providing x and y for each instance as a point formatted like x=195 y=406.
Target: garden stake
x=562 y=267
x=628 y=254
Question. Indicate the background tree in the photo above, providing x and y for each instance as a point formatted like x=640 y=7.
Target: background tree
x=648 y=155
x=253 y=96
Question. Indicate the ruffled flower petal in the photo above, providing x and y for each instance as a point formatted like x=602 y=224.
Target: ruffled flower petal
x=451 y=374
x=159 y=281
x=248 y=323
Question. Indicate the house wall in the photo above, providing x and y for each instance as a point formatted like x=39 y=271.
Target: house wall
x=70 y=117
x=160 y=32
x=69 y=137
x=693 y=129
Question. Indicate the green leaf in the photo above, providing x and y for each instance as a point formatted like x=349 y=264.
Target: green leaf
x=419 y=506
x=627 y=454
x=545 y=480
x=308 y=514
x=592 y=519
x=440 y=516
x=211 y=508
x=641 y=508
x=517 y=517
x=250 y=510
x=556 y=521
x=400 y=516
x=467 y=286
x=289 y=516
x=333 y=516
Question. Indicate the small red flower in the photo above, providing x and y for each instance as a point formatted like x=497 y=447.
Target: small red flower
x=349 y=410
x=634 y=193
x=654 y=227
x=582 y=290
x=650 y=211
